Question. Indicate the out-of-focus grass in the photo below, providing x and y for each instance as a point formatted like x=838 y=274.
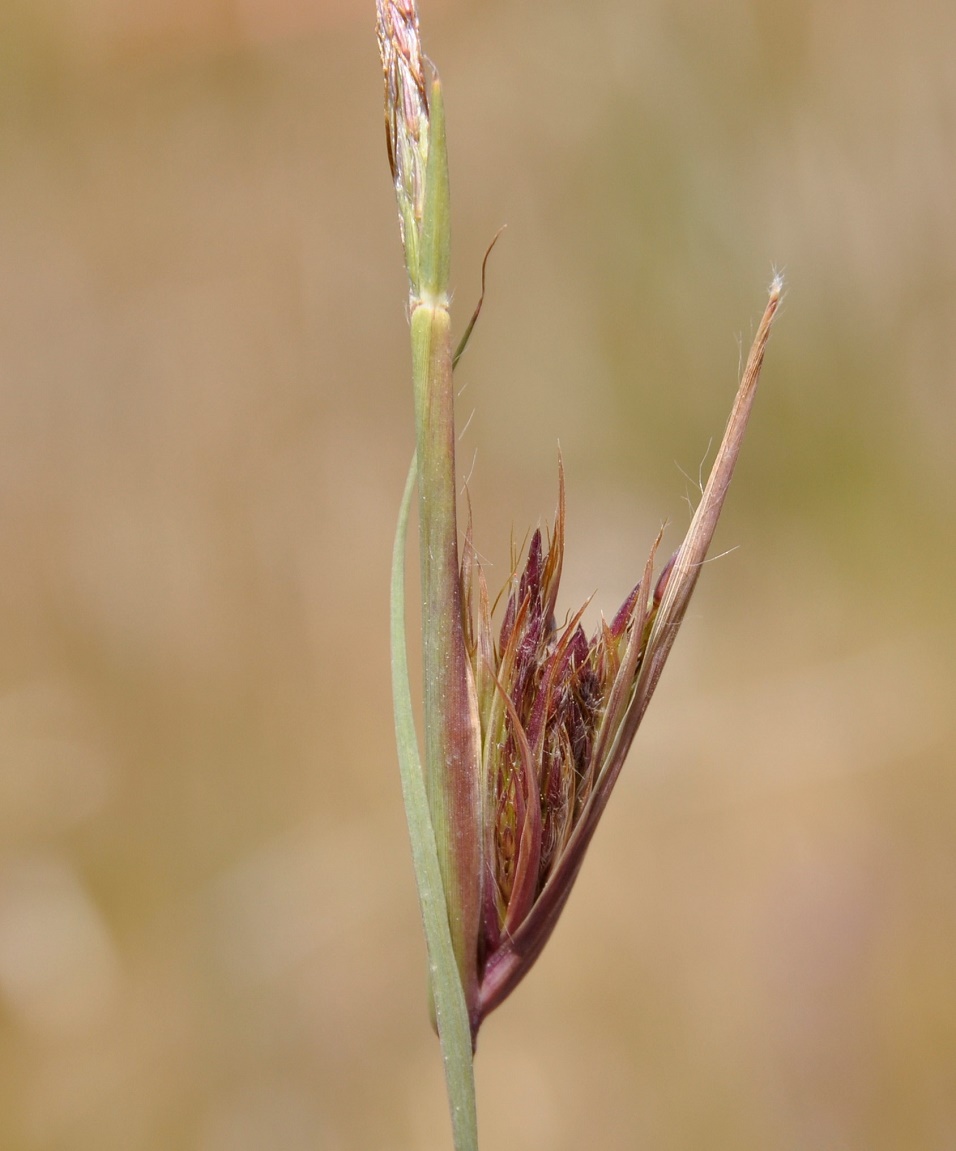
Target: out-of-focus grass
x=208 y=934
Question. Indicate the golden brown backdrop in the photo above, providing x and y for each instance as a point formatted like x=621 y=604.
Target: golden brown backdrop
x=208 y=925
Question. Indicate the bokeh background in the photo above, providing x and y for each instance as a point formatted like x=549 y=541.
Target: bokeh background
x=209 y=936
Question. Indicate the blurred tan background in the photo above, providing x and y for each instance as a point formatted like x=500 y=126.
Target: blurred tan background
x=209 y=936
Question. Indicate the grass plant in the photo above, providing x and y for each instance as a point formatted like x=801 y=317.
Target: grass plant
x=527 y=722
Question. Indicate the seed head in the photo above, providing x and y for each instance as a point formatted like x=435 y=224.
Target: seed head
x=558 y=711
x=406 y=116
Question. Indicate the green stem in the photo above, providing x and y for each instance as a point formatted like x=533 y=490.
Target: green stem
x=451 y=1012
x=451 y=734
x=450 y=740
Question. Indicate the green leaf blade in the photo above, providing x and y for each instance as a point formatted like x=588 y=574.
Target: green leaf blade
x=451 y=1012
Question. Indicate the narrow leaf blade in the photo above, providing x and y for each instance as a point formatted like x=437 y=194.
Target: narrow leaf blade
x=451 y=1013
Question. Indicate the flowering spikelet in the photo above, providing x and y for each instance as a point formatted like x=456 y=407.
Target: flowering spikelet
x=551 y=702
x=558 y=710
x=406 y=117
